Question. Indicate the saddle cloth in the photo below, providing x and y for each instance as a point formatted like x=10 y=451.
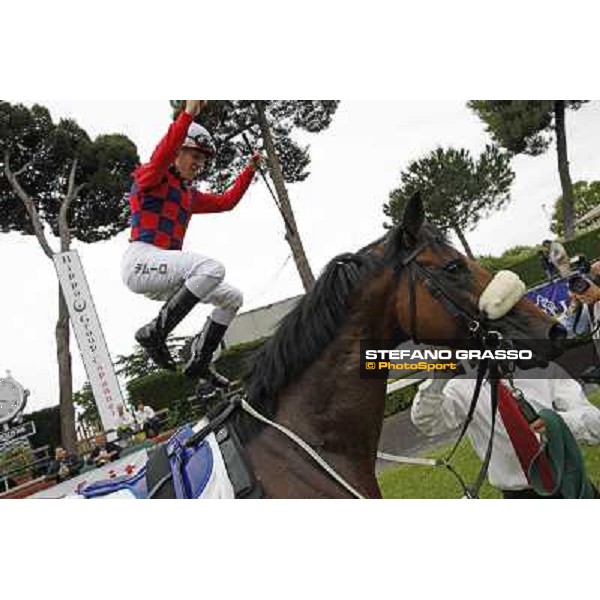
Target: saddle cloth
x=199 y=473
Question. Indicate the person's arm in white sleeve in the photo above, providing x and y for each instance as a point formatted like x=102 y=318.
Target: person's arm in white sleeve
x=582 y=417
x=439 y=406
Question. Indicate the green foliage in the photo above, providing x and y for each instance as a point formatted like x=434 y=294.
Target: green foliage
x=17 y=456
x=509 y=257
x=228 y=119
x=180 y=413
x=86 y=408
x=400 y=400
x=161 y=389
x=410 y=481
x=137 y=364
x=526 y=127
x=520 y=126
x=457 y=190
x=47 y=427
x=586 y=195
x=44 y=152
x=235 y=362
x=524 y=260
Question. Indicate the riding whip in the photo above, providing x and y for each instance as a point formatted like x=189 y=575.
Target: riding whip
x=288 y=225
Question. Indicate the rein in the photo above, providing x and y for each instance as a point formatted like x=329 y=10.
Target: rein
x=227 y=407
x=478 y=330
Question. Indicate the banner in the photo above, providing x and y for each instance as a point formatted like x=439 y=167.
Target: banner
x=552 y=297
x=92 y=345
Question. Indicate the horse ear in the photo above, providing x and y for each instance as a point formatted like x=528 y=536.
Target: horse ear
x=414 y=215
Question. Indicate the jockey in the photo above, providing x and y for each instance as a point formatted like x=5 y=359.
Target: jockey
x=162 y=201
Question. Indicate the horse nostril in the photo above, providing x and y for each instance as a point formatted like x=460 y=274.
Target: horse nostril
x=557 y=333
x=558 y=339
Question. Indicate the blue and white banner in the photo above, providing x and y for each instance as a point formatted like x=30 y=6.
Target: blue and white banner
x=552 y=297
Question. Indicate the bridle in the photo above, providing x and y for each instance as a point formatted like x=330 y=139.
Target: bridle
x=475 y=323
x=480 y=329
x=477 y=327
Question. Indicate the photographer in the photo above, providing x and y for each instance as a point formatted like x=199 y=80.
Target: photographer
x=556 y=257
x=584 y=309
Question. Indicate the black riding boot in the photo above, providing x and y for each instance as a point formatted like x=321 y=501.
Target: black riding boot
x=152 y=336
x=202 y=350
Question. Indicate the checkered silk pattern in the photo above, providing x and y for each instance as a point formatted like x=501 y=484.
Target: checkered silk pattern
x=161 y=215
x=162 y=203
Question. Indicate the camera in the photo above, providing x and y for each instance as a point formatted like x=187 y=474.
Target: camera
x=580 y=263
x=579 y=284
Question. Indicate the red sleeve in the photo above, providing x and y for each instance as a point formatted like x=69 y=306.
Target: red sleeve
x=151 y=174
x=203 y=202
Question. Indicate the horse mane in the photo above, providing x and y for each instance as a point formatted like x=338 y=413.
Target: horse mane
x=305 y=332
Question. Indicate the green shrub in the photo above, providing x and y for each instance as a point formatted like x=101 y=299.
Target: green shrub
x=400 y=400
x=160 y=390
x=16 y=457
x=47 y=426
x=527 y=263
x=235 y=361
x=180 y=412
x=165 y=389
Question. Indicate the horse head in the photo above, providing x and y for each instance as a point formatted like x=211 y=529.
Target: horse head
x=443 y=295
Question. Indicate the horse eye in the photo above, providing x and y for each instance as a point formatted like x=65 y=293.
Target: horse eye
x=454 y=267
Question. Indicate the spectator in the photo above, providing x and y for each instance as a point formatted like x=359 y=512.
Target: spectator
x=127 y=427
x=147 y=419
x=557 y=256
x=64 y=466
x=441 y=406
x=103 y=451
x=549 y=269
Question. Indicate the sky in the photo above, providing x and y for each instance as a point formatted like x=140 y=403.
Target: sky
x=355 y=164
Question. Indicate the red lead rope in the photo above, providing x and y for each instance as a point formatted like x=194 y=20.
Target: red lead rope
x=523 y=439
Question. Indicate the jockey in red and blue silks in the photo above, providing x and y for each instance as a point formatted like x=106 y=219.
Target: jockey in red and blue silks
x=162 y=201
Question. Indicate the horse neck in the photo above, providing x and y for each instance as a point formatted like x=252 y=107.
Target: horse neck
x=335 y=411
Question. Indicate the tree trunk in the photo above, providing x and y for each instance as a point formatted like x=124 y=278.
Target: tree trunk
x=62 y=333
x=563 y=168
x=292 y=235
x=65 y=378
x=463 y=241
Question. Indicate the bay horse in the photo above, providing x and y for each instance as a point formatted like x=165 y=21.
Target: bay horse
x=411 y=284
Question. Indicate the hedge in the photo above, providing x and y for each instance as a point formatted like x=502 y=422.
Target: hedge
x=401 y=399
x=164 y=389
x=530 y=270
x=47 y=427
x=160 y=390
x=235 y=361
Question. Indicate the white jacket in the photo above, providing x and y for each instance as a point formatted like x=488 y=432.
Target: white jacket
x=144 y=415
x=441 y=406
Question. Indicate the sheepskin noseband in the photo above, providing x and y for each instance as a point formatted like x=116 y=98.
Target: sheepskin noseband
x=501 y=294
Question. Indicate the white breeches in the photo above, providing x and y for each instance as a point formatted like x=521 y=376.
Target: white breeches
x=157 y=273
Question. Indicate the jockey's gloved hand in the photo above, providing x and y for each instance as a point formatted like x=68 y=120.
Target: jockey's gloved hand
x=256 y=161
x=194 y=107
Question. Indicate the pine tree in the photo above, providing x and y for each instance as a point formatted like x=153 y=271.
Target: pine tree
x=54 y=176
x=268 y=126
x=456 y=189
x=526 y=127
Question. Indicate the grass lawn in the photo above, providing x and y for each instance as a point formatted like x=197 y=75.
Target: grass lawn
x=409 y=481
